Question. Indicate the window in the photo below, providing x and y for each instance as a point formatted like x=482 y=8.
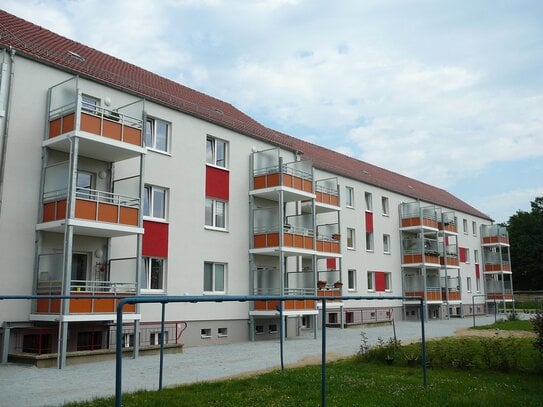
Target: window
x=259 y=329
x=215 y=213
x=384 y=205
x=369 y=202
x=85 y=185
x=474 y=228
x=153 y=274
x=205 y=333
x=351 y=279
x=154 y=202
x=155 y=337
x=214 y=277
x=128 y=340
x=465 y=225
x=386 y=244
x=89 y=104
x=222 y=332
x=216 y=152
x=467 y=255
x=89 y=340
x=350 y=238
x=273 y=328
x=379 y=281
x=476 y=256
x=468 y=284
x=478 y=284
x=157 y=134
x=369 y=241
x=349 y=197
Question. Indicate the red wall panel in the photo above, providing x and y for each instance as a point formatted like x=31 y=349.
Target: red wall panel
x=462 y=252
x=331 y=263
x=217 y=183
x=155 y=239
x=477 y=271
x=369 y=221
x=380 y=281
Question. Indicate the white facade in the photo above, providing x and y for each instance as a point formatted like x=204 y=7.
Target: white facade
x=196 y=255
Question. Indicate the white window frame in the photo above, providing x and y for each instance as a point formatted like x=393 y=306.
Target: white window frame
x=371 y=281
x=468 y=284
x=368 y=198
x=351 y=232
x=214 y=204
x=386 y=243
x=147 y=275
x=149 y=199
x=474 y=228
x=351 y=280
x=478 y=284
x=465 y=226
x=385 y=209
x=369 y=242
x=475 y=256
x=388 y=281
x=205 y=333
x=349 y=197
x=214 y=267
x=467 y=255
x=90 y=104
x=151 y=124
x=222 y=332
x=212 y=159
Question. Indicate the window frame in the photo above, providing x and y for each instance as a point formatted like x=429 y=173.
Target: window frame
x=351 y=234
x=147 y=273
x=465 y=226
x=351 y=280
x=370 y=244
x=468 y=284
x=214 y=205
x=349 y=197
x=385 y=206
x=153 y=147
x=214 y=278
x=149 y=201
x=386 y=242
x=368 y=198
x=87 y=106
x=474 y=227
x=214 y=162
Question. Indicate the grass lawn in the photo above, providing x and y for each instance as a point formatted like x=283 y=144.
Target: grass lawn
x=351 y=383
x=515 y=325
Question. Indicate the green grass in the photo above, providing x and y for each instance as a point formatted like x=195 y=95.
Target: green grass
x=513 y=325
x=465 y=371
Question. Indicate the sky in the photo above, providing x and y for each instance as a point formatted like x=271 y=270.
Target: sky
x=447 y=92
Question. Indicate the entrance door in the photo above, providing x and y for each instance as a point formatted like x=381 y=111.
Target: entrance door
x=80 y=266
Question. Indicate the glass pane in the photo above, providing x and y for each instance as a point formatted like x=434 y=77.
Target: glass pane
x=88 y=103
x=209 y=151
x=157 y=266
x=161 y=135
x=208 y=277
x=209 y=212
x=370 y=281
x=149 y=133
x=159 y=203
x=146 y=200
x=219 y=214
x=221 y=153
x=219 y=277
x=144 y=279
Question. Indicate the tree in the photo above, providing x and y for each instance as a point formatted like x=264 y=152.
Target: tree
x=526 y=239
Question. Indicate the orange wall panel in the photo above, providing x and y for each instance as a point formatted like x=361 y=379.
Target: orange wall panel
x=107 y=213
x=112 y=129
x=90 y=123
x=85 y=209
x=49 y=211
x=132 y=135
x=129 y=216
x=61 y=209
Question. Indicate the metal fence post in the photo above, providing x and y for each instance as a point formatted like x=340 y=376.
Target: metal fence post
x=323 y=361
x=160 y=374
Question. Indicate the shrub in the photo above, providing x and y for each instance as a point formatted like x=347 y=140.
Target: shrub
x=537 y=322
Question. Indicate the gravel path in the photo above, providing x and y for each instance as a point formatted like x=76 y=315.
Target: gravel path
x=29 y=386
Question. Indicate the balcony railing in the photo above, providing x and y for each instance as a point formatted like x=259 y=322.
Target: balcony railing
x=432 y=293
x=99 y=206
x=494 y=234
x=288 y=305
x=326 y=195
x=296 y=237
x=98 y=121
x=286 y=175
x=84 y=288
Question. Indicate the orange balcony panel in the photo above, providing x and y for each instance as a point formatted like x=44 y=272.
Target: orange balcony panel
x=308 y=242
x=328 y=199
x=430 y=295
x=453 y=296
x=499 y=296
x=49 y=211
x=90 y=123
x=451 y=261
x=85 y=209
x=266 y=240
x=259 y=182
x=112 y=130
x=330 y=293
x=132 y=135
x=299 y=241
x=129 y=216
x=495 y=239
x=448 y=227
x=307 y=186
x=288 y=180
x=48 y=305
x=432 y=223
x=272 y=180
x=417 y=258
x=288 y=240
x=62 y=125
x=297 y=183
x=107 y=213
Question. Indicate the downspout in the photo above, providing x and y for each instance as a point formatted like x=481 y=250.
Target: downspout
x=7 y=115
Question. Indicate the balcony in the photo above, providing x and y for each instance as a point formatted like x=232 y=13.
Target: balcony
x=327 y=195
x=271 y=174
x=415 y=217
x=433 y=294
x=328 y=238
x=298 y=238
x=105 y=134
x=420 y=251
x=493 y=235
x=448 y=223
x=114 y=214
x=496 y=261
x=91 y=289
x=291 y=306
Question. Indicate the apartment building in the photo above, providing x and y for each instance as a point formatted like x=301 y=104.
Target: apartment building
x=116 y=182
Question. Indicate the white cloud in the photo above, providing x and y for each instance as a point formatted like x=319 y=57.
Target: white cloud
x=503 y=205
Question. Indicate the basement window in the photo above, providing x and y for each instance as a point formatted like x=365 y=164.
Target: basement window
x=205 y=333
x=259 y=329
x=223 y=332
x=273 y=328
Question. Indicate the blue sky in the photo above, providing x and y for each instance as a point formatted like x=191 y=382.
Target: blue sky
x=447 y=92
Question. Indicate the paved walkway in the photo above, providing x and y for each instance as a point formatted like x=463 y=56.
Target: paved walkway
x=29 y=386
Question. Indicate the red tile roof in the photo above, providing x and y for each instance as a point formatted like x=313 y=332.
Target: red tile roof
x=49 y=48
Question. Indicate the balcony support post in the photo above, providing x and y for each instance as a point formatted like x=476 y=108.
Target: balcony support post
x=5 y=342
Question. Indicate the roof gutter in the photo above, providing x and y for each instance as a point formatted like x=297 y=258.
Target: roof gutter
x=6 y=89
